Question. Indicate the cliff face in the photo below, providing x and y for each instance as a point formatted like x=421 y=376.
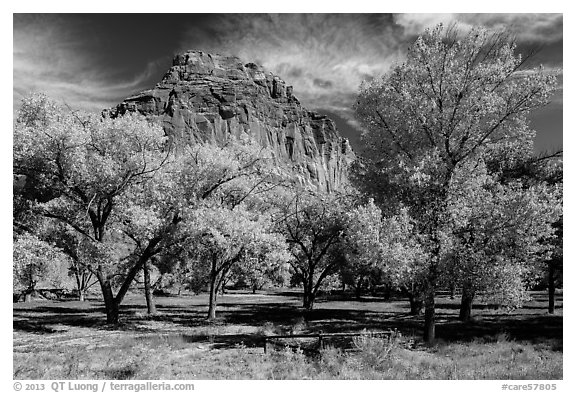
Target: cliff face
x=207 y=97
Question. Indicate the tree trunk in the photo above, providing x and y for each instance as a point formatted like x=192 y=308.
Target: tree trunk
x=148 y=289
x=81 y=296
x=213 y=294
x=429 y=316
x=29 y=292
x=309 y=293
x=308 y=301
x=551 y=287
x=415 y=304
x=79 y=285
x=359 y=288
x=466 y=304
x=112 y=306
x=387 y=292
x=212 y=305
x=452 y=290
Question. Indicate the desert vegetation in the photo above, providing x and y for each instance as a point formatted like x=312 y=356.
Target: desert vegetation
x=154 y=259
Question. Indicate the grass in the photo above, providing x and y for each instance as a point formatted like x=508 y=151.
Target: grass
x=68 y=340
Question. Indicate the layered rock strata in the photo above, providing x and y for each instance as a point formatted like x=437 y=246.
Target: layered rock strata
x=206 y=97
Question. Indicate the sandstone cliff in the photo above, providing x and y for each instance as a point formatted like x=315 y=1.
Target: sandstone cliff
x=206 y=97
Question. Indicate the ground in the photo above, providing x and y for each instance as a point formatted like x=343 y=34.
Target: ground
x=69 y=340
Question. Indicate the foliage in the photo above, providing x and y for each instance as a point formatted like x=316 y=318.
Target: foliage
x=85 y=162
x=313 y=225
x=81 y=165
x=265 y=268
x=34 y=261
x=455 y=102
x=363 y=248
x=220 y=238
x=377 y=351
x=501 y=231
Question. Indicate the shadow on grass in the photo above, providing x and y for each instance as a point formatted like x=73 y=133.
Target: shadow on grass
x=284 y=316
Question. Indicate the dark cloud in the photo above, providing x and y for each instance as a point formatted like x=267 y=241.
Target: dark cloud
x=94 y=60
x=324 y=56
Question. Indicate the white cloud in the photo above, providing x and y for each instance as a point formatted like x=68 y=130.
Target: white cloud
x=324 y=56
x=528 y=28
x=415 y=24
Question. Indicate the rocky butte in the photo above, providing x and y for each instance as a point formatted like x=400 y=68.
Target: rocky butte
x=207 y=98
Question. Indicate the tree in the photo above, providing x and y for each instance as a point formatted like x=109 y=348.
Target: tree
x=222 y=238
x=555 y=263
x=79 y=250
x=159 y=215
x=35 y=260
x=363 y=245
x=544 y=168
x=500 y=233
x=405 y=258
x=313 y=226
x=80 y=165
x=267 y=266
x=455 y=100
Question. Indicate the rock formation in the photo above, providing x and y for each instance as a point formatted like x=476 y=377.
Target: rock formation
x=207 y=97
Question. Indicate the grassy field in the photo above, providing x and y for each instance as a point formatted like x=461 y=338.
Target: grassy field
x=69 y=340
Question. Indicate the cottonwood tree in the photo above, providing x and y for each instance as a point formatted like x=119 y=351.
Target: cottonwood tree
x=555 y=263
x=80 y=251
x=500 y=233
x=159 y=216
x=363 y=245
x=313 y=225
x=541 y=169
x=81 y=165
x=405 y=260
x=168 y=207
x=222 y=237
x=454 y=100
x=268 y=265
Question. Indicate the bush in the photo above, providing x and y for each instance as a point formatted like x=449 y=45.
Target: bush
x=376 y=350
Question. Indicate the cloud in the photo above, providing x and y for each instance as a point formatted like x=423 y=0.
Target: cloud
x=324 y=56
x=528 y=28
x=49 y=58
x=415 y=24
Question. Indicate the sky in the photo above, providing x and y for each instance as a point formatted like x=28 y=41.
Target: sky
x=94 y=61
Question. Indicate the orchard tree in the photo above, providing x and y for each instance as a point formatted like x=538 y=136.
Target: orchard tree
x=541 y=169
x=267 y=265
x=221 y=238
x=500 y=234
x=313 y=226
x=363 y=245
x=80 y=165
x=555 y=263
x=35 y=260
x=159 y=216
x=404 y=258
x=455 y=100
x=80 y=251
